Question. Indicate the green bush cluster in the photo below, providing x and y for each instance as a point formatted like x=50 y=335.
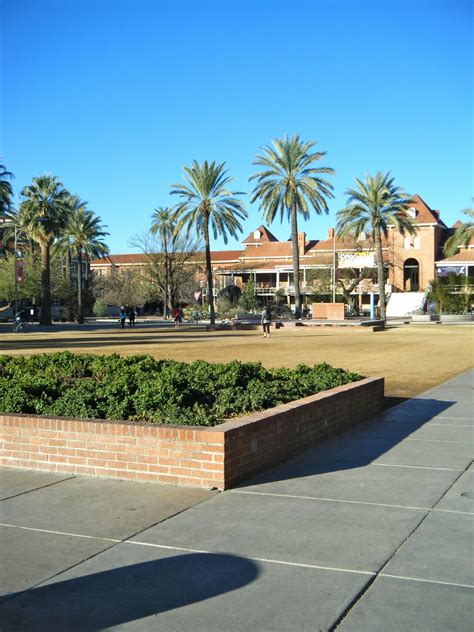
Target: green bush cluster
x=140 y=388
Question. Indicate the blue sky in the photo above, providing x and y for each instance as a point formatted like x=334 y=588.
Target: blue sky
x=115 y=96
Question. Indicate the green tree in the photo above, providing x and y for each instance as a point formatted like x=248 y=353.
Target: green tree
x=451 y=293
x=372 y=207
x=289 y=185
x=83 y=235
x=249 y=299
x=164 y=228
x=462 y=235
x=208 y=204
x=43 y=214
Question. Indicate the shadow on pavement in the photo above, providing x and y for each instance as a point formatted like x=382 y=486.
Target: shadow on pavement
x=109 y=598
x=358 y=446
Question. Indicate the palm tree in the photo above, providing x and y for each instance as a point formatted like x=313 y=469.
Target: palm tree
x=207 y=203
x=372 y=207
x=163 y=225
x=6 y=210
x=6 y=191
x=83 y=236
x=43 y=214
x=462 y=235
x=289 y=185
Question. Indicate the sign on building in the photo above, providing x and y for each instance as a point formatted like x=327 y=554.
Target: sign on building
x=445 y=270
x=360 y=259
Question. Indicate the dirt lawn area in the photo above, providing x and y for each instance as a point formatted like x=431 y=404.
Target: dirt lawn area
x=412 y=358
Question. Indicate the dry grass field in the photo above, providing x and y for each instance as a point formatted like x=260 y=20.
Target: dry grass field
x=412 y=358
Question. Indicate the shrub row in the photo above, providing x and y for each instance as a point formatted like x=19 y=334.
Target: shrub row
x=140 y=388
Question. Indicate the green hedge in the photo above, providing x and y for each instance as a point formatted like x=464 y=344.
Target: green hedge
x=139 y=388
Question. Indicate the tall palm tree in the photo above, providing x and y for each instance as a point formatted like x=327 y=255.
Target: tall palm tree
x=207 y=203
x=290 y=185
x=83 y=235
x=163 y=225
x=6 y=210
x=43 y=214
x=6 y=191
x=372 y=207
x=462 y=235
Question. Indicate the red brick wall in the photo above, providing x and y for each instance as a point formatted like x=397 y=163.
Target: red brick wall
x=328 y=310
x=200 y=457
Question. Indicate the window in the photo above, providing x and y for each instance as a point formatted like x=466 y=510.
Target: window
x=257 y=234
x=412 y=212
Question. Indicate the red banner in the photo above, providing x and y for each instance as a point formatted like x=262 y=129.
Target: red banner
x=19 y=271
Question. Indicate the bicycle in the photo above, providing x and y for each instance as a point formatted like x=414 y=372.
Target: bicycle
x=20 y=326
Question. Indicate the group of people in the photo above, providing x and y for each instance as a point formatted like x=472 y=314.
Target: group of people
x=130 y=313
x=127 y=312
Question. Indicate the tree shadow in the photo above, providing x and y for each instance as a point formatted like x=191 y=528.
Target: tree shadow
x=358 y=446
x=112 y=597
x=112 y=339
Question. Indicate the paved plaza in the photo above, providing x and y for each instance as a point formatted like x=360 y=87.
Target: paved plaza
x=369 y=531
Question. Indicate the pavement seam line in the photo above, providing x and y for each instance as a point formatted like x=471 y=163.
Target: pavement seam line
x=426 y=581
x=71 y=535
x=35 y=489
x=387 y=436
x=418 y=467
x=369 y=583
x=331 y=500
x=253 y=559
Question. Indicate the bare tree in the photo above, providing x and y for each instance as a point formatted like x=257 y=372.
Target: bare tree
x=170 y=276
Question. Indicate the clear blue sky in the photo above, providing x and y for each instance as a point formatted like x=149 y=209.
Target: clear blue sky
x=115 y=96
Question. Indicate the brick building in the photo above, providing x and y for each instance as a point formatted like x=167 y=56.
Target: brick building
x=411 y=261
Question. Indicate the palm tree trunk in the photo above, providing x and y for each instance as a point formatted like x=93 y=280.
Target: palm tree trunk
x=45 y=318
x=80 y=303
x=210 y=289
x=296 y=262
x=380 y=274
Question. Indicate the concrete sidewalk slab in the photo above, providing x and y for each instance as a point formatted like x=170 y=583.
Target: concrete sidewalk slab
x=98 y=507
x=397 y=605
x=30 y=557
x=460 y=497
x=304 y=531
x=16 y=482
x=143 y=588
x=410 y=487
x=438 y=532
x=349 y=451
x=429 y=430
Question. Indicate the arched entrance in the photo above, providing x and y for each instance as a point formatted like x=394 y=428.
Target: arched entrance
x=411 y=276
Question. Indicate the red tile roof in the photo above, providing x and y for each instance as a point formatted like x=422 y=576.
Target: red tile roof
x=464 y=256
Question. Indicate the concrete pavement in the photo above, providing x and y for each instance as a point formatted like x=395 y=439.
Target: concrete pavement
x=369 y=531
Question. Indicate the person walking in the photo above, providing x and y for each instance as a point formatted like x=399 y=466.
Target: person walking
x=122 y=316
x=178 y=317
x=131 y=317
x=266 y=321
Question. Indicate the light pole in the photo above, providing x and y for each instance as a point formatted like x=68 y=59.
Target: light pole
x=16 y=272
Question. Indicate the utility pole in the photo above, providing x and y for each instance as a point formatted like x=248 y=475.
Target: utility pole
x=333 y=265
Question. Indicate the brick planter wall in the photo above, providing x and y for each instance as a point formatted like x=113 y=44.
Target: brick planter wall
x=191 y=456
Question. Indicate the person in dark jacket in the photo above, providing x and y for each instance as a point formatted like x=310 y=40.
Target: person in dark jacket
x=266 y=321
